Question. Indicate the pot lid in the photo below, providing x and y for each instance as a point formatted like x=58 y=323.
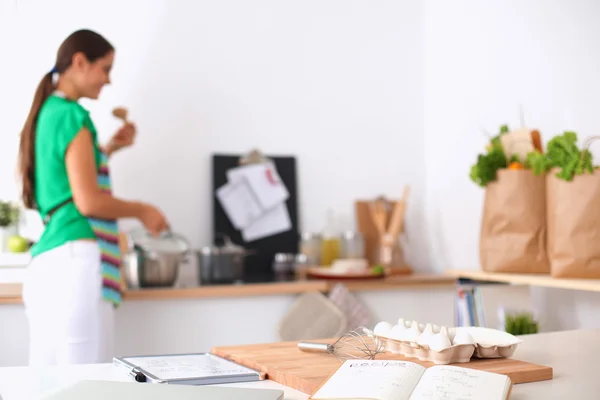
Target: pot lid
x=223 y=245
x=166 y=242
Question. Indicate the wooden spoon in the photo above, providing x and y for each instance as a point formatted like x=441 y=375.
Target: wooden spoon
x=397 y=220
x=121 y=113
x=378 y=215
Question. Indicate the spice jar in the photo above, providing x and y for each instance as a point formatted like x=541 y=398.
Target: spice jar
x=352 y=245
x=310 y=246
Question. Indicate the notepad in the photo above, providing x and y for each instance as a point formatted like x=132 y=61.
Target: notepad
x=104 y=390
x=191 y=369
x=404 y=380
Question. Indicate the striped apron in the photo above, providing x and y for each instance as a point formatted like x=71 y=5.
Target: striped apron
x=107 y=234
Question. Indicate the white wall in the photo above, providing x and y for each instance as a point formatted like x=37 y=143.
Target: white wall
x=336 y=83
x=482 y=61
x=385 y=93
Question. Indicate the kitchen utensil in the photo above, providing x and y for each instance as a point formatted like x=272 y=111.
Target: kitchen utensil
x=222 y=264
x=379 y=215
x=121 y=113
x=390 y=251
x=397 y=219
x=359 y=343
x=153 y=261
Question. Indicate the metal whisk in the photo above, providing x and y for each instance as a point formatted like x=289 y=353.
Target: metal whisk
x=359 y=343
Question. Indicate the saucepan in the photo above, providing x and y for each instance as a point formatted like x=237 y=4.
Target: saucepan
x=222 y=263
x=154 y=261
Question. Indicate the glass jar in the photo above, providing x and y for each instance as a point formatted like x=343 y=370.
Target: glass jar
x=301 y=266
x=310 y=246
x=284 y=266
x=390 y=254
x=352 y=245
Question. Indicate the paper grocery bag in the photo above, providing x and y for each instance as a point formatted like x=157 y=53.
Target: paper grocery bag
x=513 y=227
x=574 y=225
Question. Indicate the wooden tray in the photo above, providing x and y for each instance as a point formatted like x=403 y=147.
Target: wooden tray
x=329 y=273
x=285 y=364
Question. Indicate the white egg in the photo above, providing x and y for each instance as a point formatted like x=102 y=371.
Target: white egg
x=426 y=335
x=463 y=337
x=383 y=328
x=397 y=331
x=440 y=341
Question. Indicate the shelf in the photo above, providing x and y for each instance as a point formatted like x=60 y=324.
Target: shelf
x=590 y=285
x=11 y=293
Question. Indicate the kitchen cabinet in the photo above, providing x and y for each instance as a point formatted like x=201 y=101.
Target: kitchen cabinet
x=154 y=321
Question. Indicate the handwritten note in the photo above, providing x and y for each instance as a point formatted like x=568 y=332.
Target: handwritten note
x=264 y=181
x=385 y=379
x=254 y=200
x=239 y=203
x=455 y=383
x=188 y=366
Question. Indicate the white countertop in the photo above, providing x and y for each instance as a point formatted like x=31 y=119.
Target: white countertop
x=572 y=355
x=13 y=267
x=15 y=260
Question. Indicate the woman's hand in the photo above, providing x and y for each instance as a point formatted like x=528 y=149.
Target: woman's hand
x=124 y=137
x=153 y=219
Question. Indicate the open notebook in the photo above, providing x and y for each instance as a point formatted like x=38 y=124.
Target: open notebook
x=403 y=380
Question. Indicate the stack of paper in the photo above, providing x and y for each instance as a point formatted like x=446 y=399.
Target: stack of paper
x=254 y=200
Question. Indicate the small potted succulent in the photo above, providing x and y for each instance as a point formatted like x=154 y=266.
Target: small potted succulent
x=9 y=219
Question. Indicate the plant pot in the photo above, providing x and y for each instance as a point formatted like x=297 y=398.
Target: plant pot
x=5 y=233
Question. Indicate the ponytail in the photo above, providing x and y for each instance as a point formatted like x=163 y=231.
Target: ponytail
x=26 y=163
x=92 y=46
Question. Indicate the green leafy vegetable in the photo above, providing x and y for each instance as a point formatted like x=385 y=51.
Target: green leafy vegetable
x=514 y=158
x=537 y=162
x=485 y=169
x=562 y=153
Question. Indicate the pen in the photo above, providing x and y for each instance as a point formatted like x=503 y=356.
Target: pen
x=137 y=375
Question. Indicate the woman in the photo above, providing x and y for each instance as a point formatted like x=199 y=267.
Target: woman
x=72 y=286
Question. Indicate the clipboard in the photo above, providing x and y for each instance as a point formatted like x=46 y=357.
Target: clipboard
x=259 y=264
x=186 y=369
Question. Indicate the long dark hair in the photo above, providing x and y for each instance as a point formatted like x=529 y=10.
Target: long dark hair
x=90 y=44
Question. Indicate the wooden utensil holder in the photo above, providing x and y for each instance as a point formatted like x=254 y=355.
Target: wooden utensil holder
x=384 y=250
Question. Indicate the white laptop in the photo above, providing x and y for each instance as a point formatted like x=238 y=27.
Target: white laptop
x=103 y=390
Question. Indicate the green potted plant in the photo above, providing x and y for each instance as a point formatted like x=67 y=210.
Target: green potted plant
x=520 y=323
x=9 y=219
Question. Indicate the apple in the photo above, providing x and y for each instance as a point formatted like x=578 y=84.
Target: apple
x=17 y=244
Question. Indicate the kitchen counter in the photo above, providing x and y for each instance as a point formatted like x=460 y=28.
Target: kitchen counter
x=10 y=293
x=572 y=355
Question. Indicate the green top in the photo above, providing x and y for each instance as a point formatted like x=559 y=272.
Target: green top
x=58 y=123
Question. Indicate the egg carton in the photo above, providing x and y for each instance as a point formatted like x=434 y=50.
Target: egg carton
x=491 y=343
x=457 y=353
x=443 y=345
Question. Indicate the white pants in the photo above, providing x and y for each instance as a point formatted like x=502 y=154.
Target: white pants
x=69 y=322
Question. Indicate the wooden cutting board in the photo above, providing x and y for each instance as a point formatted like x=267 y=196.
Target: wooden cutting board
x=285 y=364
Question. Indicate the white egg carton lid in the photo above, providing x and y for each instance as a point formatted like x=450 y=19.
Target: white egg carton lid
x=460 y=345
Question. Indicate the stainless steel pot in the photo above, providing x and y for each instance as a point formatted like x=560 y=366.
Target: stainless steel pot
x=221 y=264
x=154 y=262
